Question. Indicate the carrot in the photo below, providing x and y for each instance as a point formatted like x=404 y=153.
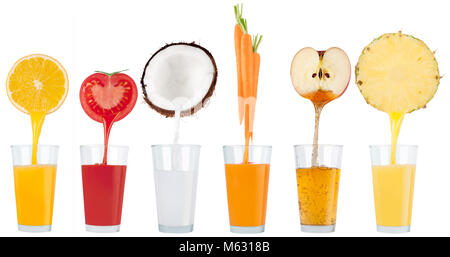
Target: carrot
x=256 y=62
x=247 y=78
x=237 y=45
x=252 y=101
x=239 y=29
x=247 y=61
x=247 y=64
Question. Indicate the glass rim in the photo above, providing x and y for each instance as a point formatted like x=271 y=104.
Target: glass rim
x=171 y=145
x=398 y=145
x=30 y=145
x=312 y=145
x=102 y=145
x=258 y=146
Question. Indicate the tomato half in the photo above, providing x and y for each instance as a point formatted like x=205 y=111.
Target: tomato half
x=104 y=95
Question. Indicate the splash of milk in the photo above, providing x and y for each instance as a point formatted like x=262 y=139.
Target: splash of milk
x=179 y=104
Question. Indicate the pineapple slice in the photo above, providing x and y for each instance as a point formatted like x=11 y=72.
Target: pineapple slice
x=397 y=73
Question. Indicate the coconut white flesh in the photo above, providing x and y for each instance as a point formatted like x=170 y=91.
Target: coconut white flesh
x=179 y=77
x=307 y=62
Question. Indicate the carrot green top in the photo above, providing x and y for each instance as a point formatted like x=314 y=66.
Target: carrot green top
x=243 y=25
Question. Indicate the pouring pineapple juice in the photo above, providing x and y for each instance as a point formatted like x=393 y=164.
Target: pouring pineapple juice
x=397 y=74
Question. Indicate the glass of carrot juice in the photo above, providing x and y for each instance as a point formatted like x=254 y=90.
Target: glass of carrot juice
x=247 y=186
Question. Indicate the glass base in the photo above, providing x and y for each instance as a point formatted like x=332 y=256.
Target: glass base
x=318 y=228
x=175 y=229
x=393 y=229
x=103 y=229
x=242 y=230
x=46 y=228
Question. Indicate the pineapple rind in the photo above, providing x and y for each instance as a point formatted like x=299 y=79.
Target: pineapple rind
x=388 y=105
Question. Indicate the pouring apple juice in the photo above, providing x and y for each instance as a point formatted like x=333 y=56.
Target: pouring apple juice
x=321 y=77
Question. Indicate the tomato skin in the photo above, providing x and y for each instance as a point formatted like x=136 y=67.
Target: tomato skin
x=94 y=110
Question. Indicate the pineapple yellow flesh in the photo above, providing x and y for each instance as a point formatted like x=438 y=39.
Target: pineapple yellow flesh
x=397 y=73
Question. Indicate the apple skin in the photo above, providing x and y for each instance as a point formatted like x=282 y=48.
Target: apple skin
x=297 y=71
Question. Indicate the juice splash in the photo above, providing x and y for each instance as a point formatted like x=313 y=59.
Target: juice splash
x=319 y=100
x=108 y=98
x=108 y=122
x=37 y=120
x=318 y=189
x=37 y=85
x=396 y=120
x=176 y=136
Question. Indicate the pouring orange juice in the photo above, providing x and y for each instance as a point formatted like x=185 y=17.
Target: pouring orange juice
x=397 y=74
x=36 y=85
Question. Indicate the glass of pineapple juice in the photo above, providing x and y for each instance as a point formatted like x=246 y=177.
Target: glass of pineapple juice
x=393 y=186
x=318 y=186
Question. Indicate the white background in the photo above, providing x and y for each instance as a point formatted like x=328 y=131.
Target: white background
x=115 y=35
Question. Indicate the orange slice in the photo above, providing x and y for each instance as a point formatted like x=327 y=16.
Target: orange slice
x=37 y=84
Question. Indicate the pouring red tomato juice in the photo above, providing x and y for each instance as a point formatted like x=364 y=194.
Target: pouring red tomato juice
x=106 y=98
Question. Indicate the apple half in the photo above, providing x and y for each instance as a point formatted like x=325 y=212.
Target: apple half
x=320 y=76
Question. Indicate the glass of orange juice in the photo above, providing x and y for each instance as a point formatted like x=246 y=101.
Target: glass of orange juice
x=247 y=186
x=393 y=186
x=34 y=186
x=318 y=171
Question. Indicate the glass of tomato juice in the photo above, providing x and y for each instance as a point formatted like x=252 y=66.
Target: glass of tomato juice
x=103 y=186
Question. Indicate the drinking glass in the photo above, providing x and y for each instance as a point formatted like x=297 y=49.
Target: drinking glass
x=103 y=186
x=247 y=186
x=393 y=186
x=318 y=175
x=175 y=171
x=34 y=186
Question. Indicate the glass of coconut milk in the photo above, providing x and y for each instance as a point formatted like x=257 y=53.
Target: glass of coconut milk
x=175 y=170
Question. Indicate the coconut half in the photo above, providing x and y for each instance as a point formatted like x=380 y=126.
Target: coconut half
x=179 y=77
